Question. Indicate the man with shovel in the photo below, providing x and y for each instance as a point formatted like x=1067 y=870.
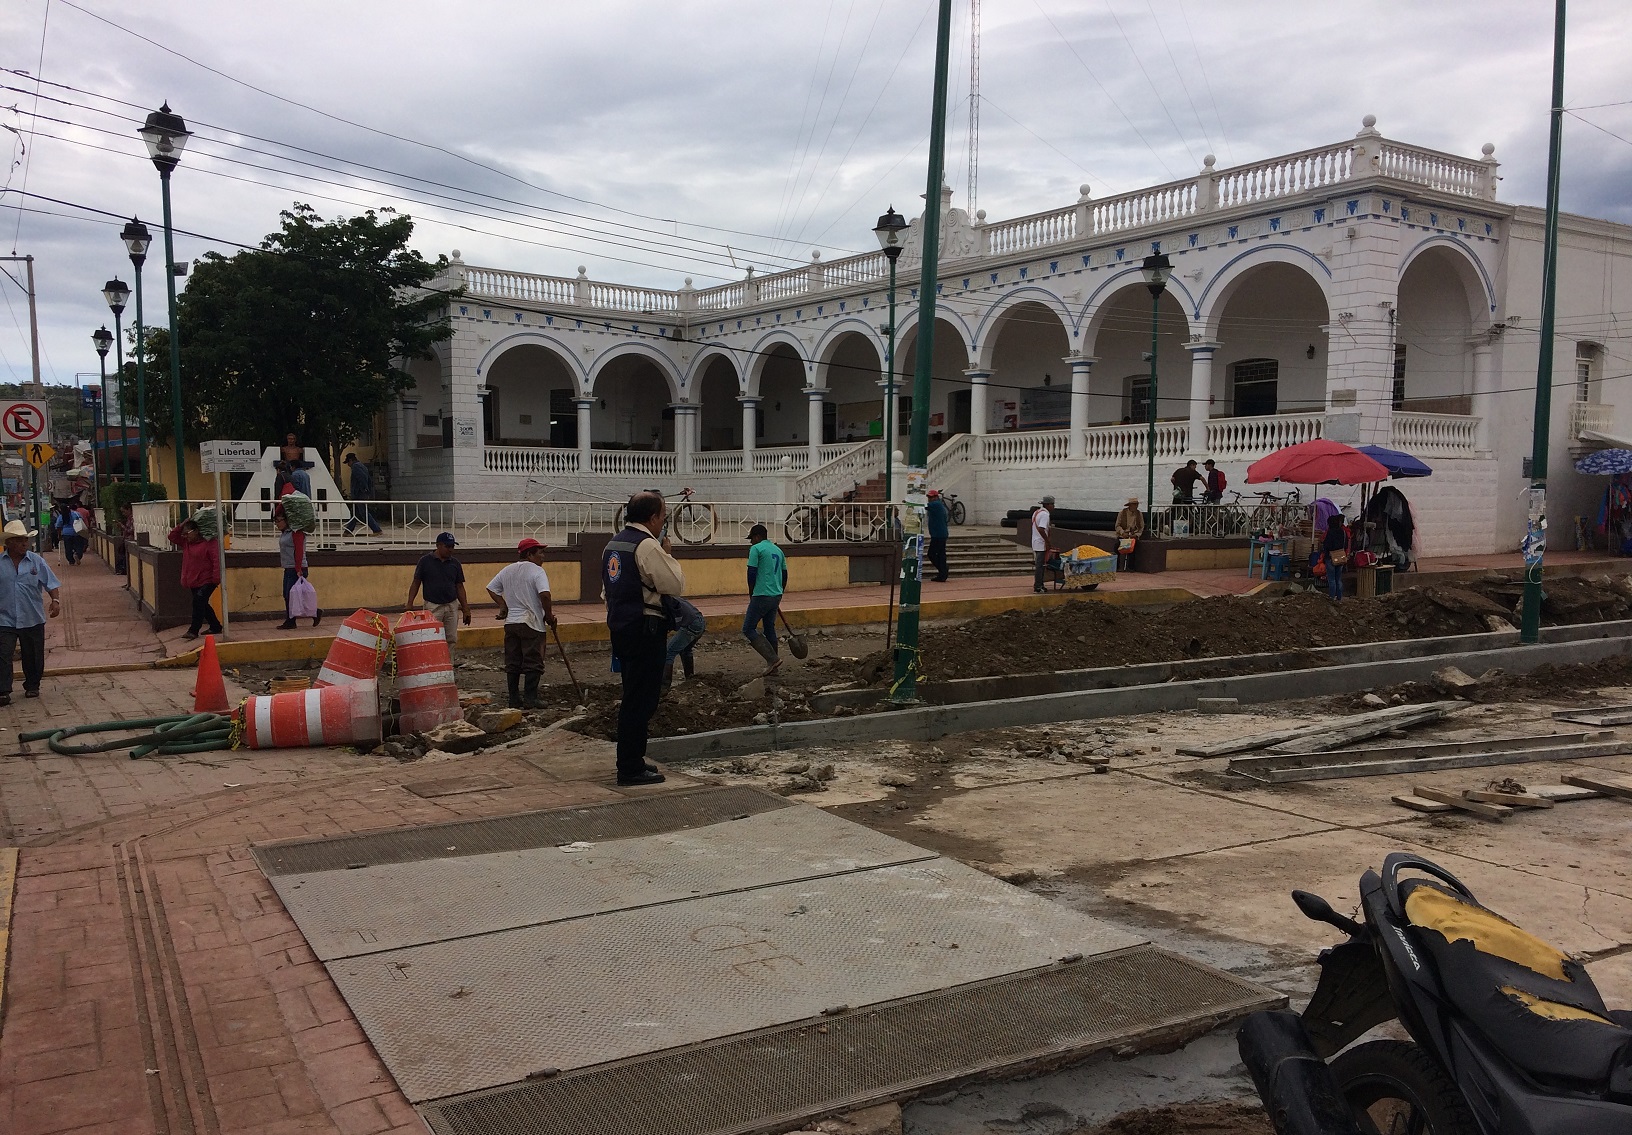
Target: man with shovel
x=767 y=577
x=522 y=591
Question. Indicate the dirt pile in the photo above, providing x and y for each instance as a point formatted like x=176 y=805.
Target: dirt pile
x=708 y=701
x=1219 y=1118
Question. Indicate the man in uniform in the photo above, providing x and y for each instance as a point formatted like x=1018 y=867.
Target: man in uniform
x=636 y=572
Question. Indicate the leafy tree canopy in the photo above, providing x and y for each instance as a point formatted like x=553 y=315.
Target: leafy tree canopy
x=308 y=333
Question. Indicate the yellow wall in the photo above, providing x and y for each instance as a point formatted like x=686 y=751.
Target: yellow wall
x=730 y=576
x=1201 y=559
x=200 y=485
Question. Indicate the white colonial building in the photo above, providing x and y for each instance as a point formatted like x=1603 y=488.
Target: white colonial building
x=1369 y=291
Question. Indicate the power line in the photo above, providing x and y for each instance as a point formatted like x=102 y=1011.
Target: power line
x=28 y=150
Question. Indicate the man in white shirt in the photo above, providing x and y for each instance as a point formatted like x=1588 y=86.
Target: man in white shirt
x=1042 y=524
x=522 y=591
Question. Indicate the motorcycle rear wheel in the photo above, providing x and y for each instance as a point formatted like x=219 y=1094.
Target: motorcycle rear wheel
x=1396 y=1089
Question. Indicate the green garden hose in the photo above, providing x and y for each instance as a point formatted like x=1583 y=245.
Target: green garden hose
x=166 y=736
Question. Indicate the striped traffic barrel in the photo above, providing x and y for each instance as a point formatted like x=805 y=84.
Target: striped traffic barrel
x=333 y=715
x=360 y=649
x=425 y=686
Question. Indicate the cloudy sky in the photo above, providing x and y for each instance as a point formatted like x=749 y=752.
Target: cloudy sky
x=653 y=141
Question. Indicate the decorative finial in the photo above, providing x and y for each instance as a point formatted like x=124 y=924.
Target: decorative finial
x=1209 y=161
x=1369 y=121
x=1488 y=149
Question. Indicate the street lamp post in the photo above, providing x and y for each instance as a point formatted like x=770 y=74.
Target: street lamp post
x=116 y=293
x=1155 y=269
x=137 y=240
x=891 y=231
x=166 y=136
x=103 y=341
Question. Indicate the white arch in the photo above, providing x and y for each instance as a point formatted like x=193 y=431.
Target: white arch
x=760 y=352
x=536 y=339
x=665 y=366
x=701 y=361
x=1475 y=278
x=991 y=325
x=1093 y=309
x=849 y=325
x=1209 y=307
x=909 y=323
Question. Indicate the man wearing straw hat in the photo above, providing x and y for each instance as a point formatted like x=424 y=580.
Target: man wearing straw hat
x=25 y=582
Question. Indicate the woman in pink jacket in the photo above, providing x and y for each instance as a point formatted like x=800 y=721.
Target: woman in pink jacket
x=200 y=573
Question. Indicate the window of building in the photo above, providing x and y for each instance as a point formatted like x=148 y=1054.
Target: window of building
x=1587 y=356
x=1139 y=398
x=1399 y=376
x=1256 y=383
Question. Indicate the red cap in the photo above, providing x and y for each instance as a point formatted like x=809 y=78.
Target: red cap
x=934 y=492
x=528 y=544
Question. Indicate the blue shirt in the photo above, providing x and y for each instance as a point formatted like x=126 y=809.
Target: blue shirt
x=937 y=516
x=302 y=481
x=766 y=570
x=22 y=590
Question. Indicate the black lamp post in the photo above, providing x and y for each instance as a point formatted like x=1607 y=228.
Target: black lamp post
x=1155 y=269
x=116 y=293
x=137 y=240
x=891 y=232
x=103 y=340
x=166 y=136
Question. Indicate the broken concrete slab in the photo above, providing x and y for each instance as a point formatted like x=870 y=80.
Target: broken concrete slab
x=498 y=720
x=455 y=737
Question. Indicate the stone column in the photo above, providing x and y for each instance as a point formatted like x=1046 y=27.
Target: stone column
x=891 y=414
x=684 y=413
x=1201 y=394
x=816 y=400
x=1484 y=383
x=979 y=412
x=750 y=426
x=483 y=392
x=584 y=406
x=1081 y=367
x=407 y=433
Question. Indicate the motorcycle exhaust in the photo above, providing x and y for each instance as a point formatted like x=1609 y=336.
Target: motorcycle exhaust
x=1299 y=1091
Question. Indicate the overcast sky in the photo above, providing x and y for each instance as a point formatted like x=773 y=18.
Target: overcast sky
x=703 y=136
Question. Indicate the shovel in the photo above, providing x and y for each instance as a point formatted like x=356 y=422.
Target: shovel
x=796 y=643
x=583 y=698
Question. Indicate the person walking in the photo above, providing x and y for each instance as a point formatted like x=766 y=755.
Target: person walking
x=443 y=579
x=636 y=572
x=26 y=582
x=1130 y=528
x=200 y=574
x=522 y=591
x=767 y=577
x=1041 y=528
x=362 y=490
x=1184 y=483
x=1215 y=482
x=71 y=520
x=689 y=625
x=292 y=558
x=300 y=480
x=939 y=521
x=1335 y=550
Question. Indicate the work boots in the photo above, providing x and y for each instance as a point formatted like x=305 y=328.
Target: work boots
x=512 y=682
x=529 y=698
x=668 y=676
x=766 y=651
x=686 y=663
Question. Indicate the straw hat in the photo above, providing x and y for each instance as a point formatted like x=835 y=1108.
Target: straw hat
x=1132 y=502
x=17 y=528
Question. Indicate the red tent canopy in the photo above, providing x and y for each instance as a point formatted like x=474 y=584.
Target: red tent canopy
x=1318 y=462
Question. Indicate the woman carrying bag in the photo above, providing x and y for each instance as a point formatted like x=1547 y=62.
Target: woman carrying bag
x=299 y=596
x=1335 y=551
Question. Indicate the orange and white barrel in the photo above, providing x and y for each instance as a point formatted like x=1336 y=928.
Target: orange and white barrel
x=334 y=715
x=425 y=686
x=360 y=648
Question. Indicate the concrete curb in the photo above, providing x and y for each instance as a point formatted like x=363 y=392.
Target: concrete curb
x=926 y=723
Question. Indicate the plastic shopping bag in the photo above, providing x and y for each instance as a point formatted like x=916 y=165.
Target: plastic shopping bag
x=303 y=600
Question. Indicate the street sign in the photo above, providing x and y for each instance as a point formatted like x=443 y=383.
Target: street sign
x=230 y=456
x=22 y=423
x=38 y=454
x=89 y=396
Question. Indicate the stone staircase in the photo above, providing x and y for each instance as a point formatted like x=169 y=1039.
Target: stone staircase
x=984 y=554
x=870 y=492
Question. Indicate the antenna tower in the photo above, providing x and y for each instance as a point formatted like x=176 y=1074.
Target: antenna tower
x=974 y=102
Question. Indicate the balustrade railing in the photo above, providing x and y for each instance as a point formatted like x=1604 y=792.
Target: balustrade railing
x=717 y=461
x=1435 y=435
x=632 y=463
x=1595 y=416
x=722 y=298
x=839 y=474
x=495 y=283
x=622 y=297
x=948 y=463
x=1283 y=176
x=1242 y=439
x=782 y=459
x=1444 y=172
x=1114 y=445
x=1039 y=229
x=1143 y=207
x=1025 y=447
x=529 y=460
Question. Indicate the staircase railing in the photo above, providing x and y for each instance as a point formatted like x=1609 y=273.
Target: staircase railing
x=862 y=462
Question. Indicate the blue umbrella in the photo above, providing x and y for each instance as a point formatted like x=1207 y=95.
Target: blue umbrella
x=1398 y=464
x=1606 y=462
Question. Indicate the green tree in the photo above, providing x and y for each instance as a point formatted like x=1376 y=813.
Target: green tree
x=306 y=334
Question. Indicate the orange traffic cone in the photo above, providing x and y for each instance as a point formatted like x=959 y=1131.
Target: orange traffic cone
x=209 y=689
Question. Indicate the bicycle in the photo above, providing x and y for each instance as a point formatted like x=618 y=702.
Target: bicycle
x=690 y=521
x=1269 y=515
x=955 y=512
x=836 y=520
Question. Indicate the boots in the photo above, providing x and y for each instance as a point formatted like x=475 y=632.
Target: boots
x=766 y=651
x=668 y=676
x=686 y=663
x=529 y=697
x=512 y=682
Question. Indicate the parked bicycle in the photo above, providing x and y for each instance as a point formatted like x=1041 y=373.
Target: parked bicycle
x=836 y=520
x=955 y=511
x=690 y=521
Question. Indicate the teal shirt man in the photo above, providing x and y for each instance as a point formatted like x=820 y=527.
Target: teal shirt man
x=767 y=577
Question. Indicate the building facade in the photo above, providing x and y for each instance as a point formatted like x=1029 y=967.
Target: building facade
x=1373 y=292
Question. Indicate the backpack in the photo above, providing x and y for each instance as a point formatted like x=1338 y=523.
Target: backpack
x=1223 y=481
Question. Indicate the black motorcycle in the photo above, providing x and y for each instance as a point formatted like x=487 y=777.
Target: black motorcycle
x=1511 y=1036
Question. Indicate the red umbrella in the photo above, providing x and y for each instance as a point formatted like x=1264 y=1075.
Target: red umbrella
x=1318 y=462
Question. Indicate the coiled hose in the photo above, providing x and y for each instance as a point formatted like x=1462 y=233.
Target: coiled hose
x=166 y=736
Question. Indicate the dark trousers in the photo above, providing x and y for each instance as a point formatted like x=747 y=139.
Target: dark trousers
x=1041 y=560
x=523 y=649
x=289 y=577
x=937 y=556
x=202 y=613
x=360 y=517
x=73 y=547
x=639 y=650
x=761 y=617
x=1334 y=578
x=32 y=641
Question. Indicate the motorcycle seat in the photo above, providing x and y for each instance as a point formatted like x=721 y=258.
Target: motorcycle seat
x=1537 y=1006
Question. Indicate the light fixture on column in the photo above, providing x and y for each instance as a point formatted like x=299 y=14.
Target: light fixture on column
x=166 y=136
x=1155 y=269
x=137 y=240
x=117 y=295
x=101 y=339
x=891 y=232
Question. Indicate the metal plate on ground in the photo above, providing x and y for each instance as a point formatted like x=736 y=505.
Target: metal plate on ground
x=456 y=1016
x=1598 y=715
x=771 y=1080
x=372 y=909
x=619 y=819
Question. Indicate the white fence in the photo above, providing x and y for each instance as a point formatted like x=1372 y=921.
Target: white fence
x=1435 y=435
x=1237 y=439
x=851 y=466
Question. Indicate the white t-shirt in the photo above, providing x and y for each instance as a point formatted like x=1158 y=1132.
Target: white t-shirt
x=519 y=585
x=1040 y=520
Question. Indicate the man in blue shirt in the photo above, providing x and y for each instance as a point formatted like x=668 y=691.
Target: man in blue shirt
x=938 y=520
x=767 y=577
x=362 y=489
x=25 y=582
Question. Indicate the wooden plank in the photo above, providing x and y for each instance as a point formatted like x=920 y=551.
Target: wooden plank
x=1383 y=719
x=1419 y=804
x=1350 y=730
x=1563 y=793
x=1511 y=799
x=1599 y=782
x=8 y=885
x=1597 y=715
x=1435 y=764
x=1412 y=752
x=1456 y=800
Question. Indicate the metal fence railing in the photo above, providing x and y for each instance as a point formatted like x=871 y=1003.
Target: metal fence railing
x=1235 y=520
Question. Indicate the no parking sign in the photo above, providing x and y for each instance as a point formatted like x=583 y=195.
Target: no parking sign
x=24 y=423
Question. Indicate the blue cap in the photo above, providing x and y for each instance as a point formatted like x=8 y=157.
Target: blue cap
x=447 y=538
